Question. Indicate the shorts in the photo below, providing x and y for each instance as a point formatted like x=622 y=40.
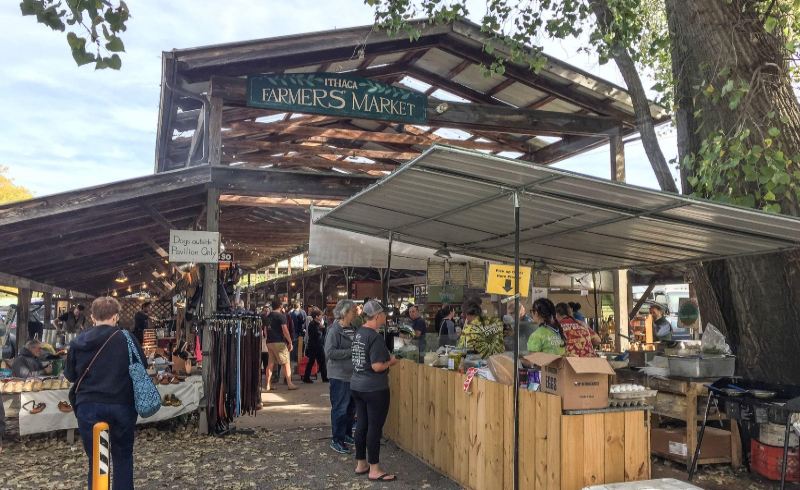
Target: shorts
x=279 y=353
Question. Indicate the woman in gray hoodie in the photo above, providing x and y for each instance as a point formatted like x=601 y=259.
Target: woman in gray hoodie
x=338 y=352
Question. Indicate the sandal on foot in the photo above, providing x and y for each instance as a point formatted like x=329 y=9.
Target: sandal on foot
x=384 y=477
x=362 y=472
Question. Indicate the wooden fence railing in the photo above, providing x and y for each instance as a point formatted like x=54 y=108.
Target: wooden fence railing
x=469 y=436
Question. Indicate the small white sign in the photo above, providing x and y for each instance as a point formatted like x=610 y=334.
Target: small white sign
x=678 y=448
x=200 y=247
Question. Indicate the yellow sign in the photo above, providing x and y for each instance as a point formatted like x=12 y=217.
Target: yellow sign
x=501 y=280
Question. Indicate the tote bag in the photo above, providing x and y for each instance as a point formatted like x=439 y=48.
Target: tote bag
x=145 y=394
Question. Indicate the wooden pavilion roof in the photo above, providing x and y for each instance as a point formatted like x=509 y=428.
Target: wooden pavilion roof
x=445 y=63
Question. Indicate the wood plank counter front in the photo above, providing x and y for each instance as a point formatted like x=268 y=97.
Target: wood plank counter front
x=469 y=436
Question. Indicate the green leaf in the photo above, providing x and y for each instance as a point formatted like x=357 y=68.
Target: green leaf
x=774 y=132
x=770 y=24
x=115 y=45
x=773 y=208
x=727 y=87
x=769 y=196
x=114 y=62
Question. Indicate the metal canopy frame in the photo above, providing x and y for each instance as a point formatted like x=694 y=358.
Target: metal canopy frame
x=570 y=222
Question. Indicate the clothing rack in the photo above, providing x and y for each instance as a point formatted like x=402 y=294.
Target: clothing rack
x=234 y=374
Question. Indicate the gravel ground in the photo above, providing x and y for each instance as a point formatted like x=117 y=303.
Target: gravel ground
x=179 y=458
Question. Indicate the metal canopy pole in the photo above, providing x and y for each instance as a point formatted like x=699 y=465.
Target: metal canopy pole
x=388 y=274
x=516 y=340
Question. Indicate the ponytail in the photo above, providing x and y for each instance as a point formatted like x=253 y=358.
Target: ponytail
x=547 y=310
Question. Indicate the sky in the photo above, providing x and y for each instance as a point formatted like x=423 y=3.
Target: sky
x=66 y=127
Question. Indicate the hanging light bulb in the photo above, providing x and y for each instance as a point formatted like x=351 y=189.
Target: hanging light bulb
x=121 y=277
x=144 y=285
x=114 y=293
x=130 y=290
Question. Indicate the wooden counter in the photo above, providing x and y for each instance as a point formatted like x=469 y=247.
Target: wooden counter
x=469 y=436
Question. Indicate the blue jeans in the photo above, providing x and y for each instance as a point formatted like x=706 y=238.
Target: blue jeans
x=121 y=420
x=342 y=409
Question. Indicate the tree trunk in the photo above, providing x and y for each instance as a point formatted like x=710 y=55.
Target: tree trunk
x=755 y=300
x=641 y=104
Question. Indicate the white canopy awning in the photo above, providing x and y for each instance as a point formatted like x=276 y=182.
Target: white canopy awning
x=568 y=221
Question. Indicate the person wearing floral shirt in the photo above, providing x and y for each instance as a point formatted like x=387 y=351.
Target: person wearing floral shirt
x=481 y=334
x=580 y=338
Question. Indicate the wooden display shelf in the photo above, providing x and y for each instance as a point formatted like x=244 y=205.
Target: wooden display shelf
x=682 y=397
x=469 y=436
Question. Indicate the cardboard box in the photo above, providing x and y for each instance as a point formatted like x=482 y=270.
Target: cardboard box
x=581 y=382
x=671 y=443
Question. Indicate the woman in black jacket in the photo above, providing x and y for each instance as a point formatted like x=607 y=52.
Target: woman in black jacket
x=103 y=392
x=315 y=350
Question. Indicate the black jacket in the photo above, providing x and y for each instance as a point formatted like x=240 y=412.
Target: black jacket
x=315 y=335
x=26 y=365
x=108 y=380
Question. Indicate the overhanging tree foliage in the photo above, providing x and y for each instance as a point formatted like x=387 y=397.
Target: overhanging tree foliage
x=729 y=67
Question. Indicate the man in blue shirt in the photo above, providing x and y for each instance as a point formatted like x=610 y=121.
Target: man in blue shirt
x=420 y=329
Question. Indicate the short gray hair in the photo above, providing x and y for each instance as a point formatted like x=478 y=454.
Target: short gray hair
x=32 y=343
x=342 y=308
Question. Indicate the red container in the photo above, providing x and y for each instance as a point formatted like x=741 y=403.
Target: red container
x=767 y=460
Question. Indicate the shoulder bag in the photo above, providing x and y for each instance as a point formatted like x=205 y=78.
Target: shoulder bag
x=145 y=395
x=73 y=391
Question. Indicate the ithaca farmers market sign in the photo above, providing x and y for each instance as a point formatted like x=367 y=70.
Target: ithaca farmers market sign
x=336 y=95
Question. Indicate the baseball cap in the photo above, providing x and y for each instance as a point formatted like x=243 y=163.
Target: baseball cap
x=372 y=308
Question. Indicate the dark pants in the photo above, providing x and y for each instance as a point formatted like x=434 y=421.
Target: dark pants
x=343 y=410
x=371 y=410
x=316 y=354
x=121 y=420
x=3 y=419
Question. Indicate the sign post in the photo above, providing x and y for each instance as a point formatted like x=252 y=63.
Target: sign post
x=335 y=94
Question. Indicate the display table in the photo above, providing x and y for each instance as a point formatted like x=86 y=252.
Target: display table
x=52 y=419
x=470 y=436
x=685 y=399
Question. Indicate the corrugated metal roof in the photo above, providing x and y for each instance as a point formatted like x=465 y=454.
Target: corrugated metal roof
x=568 y=221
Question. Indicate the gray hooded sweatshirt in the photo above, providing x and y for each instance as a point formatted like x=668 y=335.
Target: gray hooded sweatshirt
x=338 y=351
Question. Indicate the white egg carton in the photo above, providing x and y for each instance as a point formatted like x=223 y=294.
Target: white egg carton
x=631 y=392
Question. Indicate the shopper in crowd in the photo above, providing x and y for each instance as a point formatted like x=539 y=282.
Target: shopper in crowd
x=581 y=340
x=103 y=392
x=315 y=350
x=74 y=320
x=140 y=321
x=279 y=345
x=265 y=311
x=298 y=316
x=548 y=336
x=370 y=388
x=339 y=356
x=420 y=328
x=575 y=312
x=360 y=318
x=28 y=363
x=447 y=326
x=661 y=324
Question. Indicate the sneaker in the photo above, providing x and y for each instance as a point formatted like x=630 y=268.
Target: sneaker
x=307 y=380
x=349 y=441
x=339 y=447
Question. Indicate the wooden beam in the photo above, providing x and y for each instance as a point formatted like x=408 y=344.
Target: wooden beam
x=501 y=86
x=568 y=146
x=118 y=192
x=275 y=202
x=157 y=217
x=197 y=138
x=325 y=134
x=324 y=151
x=258 y=160
x=249 y=182
x=166 y=110
x=25 y=283
x=23 y=316
x=520 y=121
x=215 y=131
x=617 y=151
x=543 y=102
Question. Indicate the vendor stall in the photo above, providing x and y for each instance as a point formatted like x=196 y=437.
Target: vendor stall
x=466 y=431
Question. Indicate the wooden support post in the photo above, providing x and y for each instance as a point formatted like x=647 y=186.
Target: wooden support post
x=209 y=302
x=621 y=305
x=23 y=315
x=48 y=309
x=215 y=133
